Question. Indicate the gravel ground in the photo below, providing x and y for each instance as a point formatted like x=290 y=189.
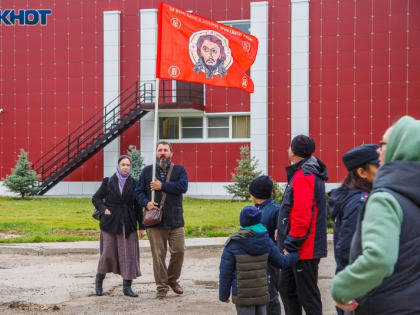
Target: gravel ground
x=64 y=284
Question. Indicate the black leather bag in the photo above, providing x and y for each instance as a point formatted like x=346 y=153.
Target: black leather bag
x=97 y=214
x=153 y=217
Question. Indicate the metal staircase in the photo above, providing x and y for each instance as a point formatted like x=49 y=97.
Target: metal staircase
x=93 y=135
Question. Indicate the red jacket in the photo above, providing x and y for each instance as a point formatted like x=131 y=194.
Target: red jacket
x=302 y=219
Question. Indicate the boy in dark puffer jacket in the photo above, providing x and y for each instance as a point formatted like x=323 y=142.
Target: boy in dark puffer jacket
x=261 y=190
x=244 y=261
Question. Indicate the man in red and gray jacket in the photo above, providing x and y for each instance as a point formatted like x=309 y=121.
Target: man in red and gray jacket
x=302 y=228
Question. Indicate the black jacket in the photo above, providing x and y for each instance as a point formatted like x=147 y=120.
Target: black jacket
x=172 y=210
x=345 y=206
x=124 y=209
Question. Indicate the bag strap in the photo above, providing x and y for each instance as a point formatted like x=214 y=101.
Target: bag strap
x=168 y=177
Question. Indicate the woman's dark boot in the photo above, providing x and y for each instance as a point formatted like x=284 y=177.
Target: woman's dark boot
x=99 y=280
x=127 y=288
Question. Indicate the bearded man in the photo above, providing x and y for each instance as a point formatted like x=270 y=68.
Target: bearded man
x=211 y=56
x=170 y=231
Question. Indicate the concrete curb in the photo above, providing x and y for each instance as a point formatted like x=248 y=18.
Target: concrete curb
x=92 y=247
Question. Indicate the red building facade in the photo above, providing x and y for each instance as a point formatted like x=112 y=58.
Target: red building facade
x=362 y=67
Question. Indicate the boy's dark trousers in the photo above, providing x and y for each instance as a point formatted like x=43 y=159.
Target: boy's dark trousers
x=251 y=310
x=298 y=287
x=273 y=306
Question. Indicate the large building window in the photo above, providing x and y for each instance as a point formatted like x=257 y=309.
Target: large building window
x=192 y=127
x=218 y=127
x=169 y=128
x=241 y=126
x=215 y=127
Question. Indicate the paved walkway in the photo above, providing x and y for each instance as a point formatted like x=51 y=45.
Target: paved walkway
x=92 y=247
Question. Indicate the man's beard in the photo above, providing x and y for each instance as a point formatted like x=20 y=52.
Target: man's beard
x=163 y=163
x=213 y=68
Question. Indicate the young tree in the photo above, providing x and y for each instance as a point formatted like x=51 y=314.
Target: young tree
x=137 y=160
x=278 y=192
x=23 y=180
x=244 y=173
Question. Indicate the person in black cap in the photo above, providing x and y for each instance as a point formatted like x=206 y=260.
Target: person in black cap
x=260 y=190
x=302 y=146
x=347 y=201
x=244 y=261
x=302 y=228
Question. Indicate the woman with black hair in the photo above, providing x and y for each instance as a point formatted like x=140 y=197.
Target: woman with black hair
x=120 y=218
x=346 y=201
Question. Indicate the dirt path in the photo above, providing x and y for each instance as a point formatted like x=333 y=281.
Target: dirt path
x=64 y=285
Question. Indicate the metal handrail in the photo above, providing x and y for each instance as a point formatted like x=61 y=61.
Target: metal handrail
x=101 y=125
x=94 y=129
x=93 y=116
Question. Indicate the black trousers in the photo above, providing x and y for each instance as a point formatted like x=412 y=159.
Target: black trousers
x=298 y=287
x=273 y=306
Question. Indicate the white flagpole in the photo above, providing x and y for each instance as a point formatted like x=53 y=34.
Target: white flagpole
x=155 y=134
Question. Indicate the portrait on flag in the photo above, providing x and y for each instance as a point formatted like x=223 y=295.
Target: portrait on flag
x=210 y=53
x=195 y=49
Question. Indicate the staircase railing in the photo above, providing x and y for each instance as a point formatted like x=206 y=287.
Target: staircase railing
x=96 y=132
x=103 y=125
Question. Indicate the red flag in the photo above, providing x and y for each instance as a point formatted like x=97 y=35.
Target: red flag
x=196 y=49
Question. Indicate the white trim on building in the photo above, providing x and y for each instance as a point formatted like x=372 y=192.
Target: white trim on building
x=259 y=75
x=207 y=190
x=300 y=68
x=111 y=82
x=148 y=42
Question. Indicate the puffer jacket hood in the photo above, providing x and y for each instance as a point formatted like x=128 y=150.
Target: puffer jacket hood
x=310 y=165
x=252 y=243
x=404 y=142
x=315 y=166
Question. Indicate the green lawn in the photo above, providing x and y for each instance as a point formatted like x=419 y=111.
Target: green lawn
x=69 y=219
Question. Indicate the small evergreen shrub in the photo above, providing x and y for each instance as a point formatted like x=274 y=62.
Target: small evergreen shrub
x=244 y=173
x=23 y=180
x=137 y=160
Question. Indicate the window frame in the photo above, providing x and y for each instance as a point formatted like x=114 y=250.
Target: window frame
x=231 y=129
x=205 y=138
x=181 y=127
x=229 y=117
